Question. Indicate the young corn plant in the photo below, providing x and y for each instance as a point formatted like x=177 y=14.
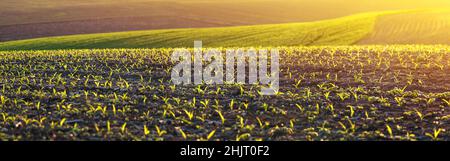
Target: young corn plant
x=108 y=127
x=419 y=114
x=297 y=84
x=123 y=128
x=210 y=135
x=389 y=129
x=435 y=135
x=291 y=123
x=232 y=104
x=327 y=95
x=447 y=102
x=261 y=125
x=183 y=134
x=189 y=114
x=221 y=116
x=146 y=131
x=343 y=96
x=205 y=103
x=300 y=107
x=352 y=110
x=159 y=131
x=62 y=122
x=242 y=136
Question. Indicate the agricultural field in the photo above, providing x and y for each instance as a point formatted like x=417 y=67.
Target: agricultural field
x=420 y=26
x=430 y=27
x=354 y=70
x=340 y=31
x=374 y=92
x=24 y=19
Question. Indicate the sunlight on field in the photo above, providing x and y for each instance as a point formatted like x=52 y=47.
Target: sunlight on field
x=342 y=74
x=24 y=19
x=326 y=93
x=236 y=12
x=426 y=27
x=430 y=26
x=341 y=31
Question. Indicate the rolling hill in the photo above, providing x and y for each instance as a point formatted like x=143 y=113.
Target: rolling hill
x=393 y=27
x=339 y=31
x=430 y=27
x=24 y=19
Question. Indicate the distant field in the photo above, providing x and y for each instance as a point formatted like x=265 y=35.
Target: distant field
x=23 y=19
x=431 y=27
x=342 y=31
x=399 y=27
